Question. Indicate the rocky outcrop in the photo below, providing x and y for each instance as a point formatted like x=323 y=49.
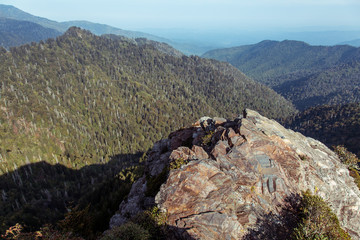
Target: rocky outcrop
x=237 y=172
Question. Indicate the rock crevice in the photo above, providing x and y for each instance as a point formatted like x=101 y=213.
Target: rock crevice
x=238 y=171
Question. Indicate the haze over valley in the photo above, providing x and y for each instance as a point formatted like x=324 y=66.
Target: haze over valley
x=139 y=120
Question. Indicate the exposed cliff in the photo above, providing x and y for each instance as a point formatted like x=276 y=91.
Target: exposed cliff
x=235 y=174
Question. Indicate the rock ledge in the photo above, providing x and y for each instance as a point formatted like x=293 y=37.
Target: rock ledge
x=237 y=172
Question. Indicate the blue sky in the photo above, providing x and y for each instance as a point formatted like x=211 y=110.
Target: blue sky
x=206 y=14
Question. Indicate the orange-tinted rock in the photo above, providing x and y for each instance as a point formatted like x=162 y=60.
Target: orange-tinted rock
x=199 y=152
x=255 y=167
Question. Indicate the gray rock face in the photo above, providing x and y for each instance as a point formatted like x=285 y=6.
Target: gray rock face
x=247 y=169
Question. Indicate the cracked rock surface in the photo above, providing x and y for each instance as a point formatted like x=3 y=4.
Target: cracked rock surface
x=237 y=172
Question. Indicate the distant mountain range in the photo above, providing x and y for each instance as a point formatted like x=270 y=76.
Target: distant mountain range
x=76 y=109
x=355 y=43
x=304 y=74
x=12 y=13
x=192 y=42
x=15 y=33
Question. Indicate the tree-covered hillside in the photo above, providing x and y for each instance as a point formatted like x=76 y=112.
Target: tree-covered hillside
x=332 y=125
x=334 y=86
x=82 y=99
x=268 y=61
x=92 y=96
x=306 y=75
x=15 y=33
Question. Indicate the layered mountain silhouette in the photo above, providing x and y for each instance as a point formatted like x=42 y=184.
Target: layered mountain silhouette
x=12 y=13
x=78 y=111
x=16 y=33
x=304 y=74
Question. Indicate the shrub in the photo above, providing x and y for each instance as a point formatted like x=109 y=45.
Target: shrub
x=45 y=233
x=206 y=140
x=177 y=163
x=346 y=157
x=154 y=221
x=150 y=224
x=127 y=231
x=351 y=161
x=77 y=221
x=355 y=174
x=317 y=221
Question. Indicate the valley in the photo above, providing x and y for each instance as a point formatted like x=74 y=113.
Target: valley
x=93 y=117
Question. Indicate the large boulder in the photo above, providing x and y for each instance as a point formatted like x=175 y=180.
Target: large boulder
x=238 y=173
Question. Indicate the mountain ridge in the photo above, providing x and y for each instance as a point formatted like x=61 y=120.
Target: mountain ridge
x=12 y=12
x=82 y=99
x=14 y=33
x=331 y=124
x=239 y=179
x=287 y=52
x=304 y=74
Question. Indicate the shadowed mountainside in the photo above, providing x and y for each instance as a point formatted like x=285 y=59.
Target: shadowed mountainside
x=41 y=193
x=16 y=33
x=304 y=74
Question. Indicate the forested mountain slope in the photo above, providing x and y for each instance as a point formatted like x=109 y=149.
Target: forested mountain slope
x=334 y=86
x=269 y=61
x=16 y=33
x=306 y=75
x=75 y=87
x=11 y=12
x=83 y=99
x=332 y=125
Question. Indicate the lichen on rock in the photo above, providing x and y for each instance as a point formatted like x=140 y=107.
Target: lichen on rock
x=248 y=169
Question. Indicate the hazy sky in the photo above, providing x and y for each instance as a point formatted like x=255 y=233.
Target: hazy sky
x=193 y=14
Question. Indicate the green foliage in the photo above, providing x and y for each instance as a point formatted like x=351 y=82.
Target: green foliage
x=351 y=160
x=76 y=110
x=306 y=75
x=337 y=85
x=77 y=221
x=150 y=224
x=45 y=233
x=154 y=221
x=16 y=33
x=355 y=174
x=206 y=140
x=317 y=221
x=127 y=231
x=81 y=99
x=346 y=157
x=105 y=197
x=177 y=163
x=332 y=125
x=157 y=216
x=54 y=186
